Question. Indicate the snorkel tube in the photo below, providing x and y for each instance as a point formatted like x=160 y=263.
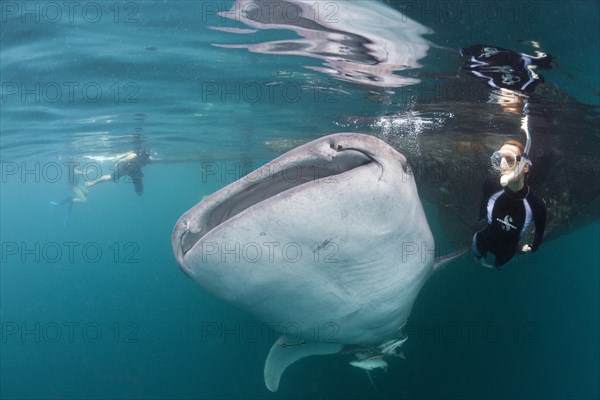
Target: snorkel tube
x=514 y=175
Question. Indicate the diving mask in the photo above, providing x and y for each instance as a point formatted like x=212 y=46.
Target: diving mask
x=504 y=159
x=509 y=164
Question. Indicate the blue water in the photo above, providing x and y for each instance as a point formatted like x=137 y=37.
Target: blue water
x=95 y=306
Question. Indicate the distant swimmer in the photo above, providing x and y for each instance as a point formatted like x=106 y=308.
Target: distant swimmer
x=506 y=69
x=128 y=165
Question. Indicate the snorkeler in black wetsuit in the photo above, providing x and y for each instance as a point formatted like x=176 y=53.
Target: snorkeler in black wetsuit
x=128 y=165
x=508 y=211
x=505 y=68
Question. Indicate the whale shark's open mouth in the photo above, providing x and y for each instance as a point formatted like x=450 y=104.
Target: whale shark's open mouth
x=265 y=183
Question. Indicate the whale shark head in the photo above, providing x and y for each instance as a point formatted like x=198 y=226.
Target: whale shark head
x=330 y=235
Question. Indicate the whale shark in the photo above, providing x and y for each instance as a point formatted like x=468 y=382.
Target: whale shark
x=330 y=238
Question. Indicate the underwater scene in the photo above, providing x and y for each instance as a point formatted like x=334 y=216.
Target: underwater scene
x=300 y=199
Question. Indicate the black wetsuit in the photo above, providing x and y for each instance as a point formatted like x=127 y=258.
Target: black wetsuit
x=508 y=215
x=505 y=68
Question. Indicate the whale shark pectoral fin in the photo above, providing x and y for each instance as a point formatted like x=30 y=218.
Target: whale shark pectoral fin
x=441 y=262
x=284 y=354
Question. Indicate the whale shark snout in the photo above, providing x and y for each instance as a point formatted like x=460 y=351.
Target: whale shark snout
x=318 y=162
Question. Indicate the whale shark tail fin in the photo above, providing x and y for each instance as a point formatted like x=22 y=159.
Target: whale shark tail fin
x=284 y=354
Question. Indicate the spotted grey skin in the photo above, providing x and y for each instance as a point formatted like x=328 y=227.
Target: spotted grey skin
x=331 y=234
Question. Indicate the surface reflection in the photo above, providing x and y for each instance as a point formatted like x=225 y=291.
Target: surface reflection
x=363 y=42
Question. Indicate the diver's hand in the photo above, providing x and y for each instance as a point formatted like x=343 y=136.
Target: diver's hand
x=526 y=248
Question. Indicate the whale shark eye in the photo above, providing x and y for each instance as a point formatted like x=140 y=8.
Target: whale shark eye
x=339 y=147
